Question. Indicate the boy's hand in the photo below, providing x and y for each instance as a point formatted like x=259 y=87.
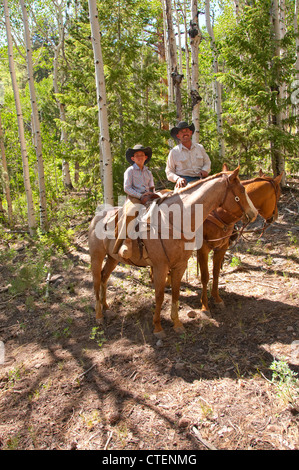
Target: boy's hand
x=148 y=196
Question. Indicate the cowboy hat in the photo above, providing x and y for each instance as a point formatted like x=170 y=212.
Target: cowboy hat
x=138 y=148
x=181 y=125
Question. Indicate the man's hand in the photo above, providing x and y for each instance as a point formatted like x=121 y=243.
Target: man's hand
x=180 y=183
x=203 y=173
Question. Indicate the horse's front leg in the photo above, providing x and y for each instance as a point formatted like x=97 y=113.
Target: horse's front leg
x=176 y=277
x=110 y=265
x=96 y=268
x=159 y=279
x=217 y=263
x=203 y=260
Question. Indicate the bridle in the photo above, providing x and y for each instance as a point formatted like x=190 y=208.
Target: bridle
x=237 y=199
x=214 y=218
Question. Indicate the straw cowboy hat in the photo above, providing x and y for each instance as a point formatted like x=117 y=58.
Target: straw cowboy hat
x=138 y=148
x=181 y=125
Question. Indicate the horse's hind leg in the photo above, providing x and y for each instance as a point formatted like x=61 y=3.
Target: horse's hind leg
x=176 y=277
x=203 y=260
x=217 y=263
x=159 y=278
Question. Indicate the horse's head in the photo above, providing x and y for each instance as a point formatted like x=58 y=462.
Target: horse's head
x=264 y=193
x=236 y=201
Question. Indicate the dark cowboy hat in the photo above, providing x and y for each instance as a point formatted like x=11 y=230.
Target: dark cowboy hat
x=181 y=125
x=137 y=148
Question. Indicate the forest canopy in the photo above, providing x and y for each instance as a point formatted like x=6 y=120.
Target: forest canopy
x=230 y=66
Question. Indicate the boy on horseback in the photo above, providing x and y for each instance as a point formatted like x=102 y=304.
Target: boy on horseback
x=140 y=189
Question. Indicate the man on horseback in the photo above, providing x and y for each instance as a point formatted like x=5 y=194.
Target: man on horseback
x=187 y=161
x=140 y=189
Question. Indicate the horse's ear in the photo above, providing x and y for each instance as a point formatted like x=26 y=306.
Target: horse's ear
x=234 y=174
x=279 y=177
x=261 y=173
x=225 y=167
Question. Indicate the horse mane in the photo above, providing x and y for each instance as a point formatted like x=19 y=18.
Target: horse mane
x=190 y=186
x=258 y=178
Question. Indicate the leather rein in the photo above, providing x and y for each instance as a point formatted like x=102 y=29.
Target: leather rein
x=216 y=219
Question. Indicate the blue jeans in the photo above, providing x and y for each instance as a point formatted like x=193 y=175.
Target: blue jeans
x=190 y=179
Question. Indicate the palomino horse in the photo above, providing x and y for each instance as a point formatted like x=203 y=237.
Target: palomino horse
x=171 y=252
x=264 y=193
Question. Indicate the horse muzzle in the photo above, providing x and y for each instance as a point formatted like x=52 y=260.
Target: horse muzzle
x=249 y=216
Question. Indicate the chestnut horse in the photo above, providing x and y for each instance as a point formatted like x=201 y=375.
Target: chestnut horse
x=171 y=252
x=264 y=193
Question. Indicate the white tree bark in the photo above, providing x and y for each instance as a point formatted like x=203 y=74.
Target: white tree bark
x=175 y=75
x=195 y=38
x=104 y=140
x=278 y=164
x=36 y=124
x=188 y=74
x=166 y=47
x=57 y=49
x=5 y=176
x=218 y=91
x=177 y=17
x=30 y=207
x=296 y=82
x=237 y=10
x=280 y=30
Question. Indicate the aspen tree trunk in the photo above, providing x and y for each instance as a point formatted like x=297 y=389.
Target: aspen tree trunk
x=295 y=97
x=188 y=74
x=30 y=207
x=104 y=140
x=5 y=176
x=36 y=124
x=179 y=38
x=278 y=164
x=280 y=31
x=195 y=38
x=218 y=96
x=175 y=75
x=237 y=10
x=163 y=81
x=65 y=164
x=166 y=48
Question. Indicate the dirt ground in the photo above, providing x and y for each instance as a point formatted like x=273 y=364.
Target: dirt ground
x=69 y=384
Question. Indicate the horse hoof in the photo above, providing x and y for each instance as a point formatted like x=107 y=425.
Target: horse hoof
x=220 y=305
x=110 y=314
x=100 y=321
x=160 y=334
x=206 y=313
x=179 y=329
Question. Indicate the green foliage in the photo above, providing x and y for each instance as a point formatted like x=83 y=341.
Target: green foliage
x=235 y=262
x=285 y=380
x=98 y=335
x=135 y=78
x=251 y=79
